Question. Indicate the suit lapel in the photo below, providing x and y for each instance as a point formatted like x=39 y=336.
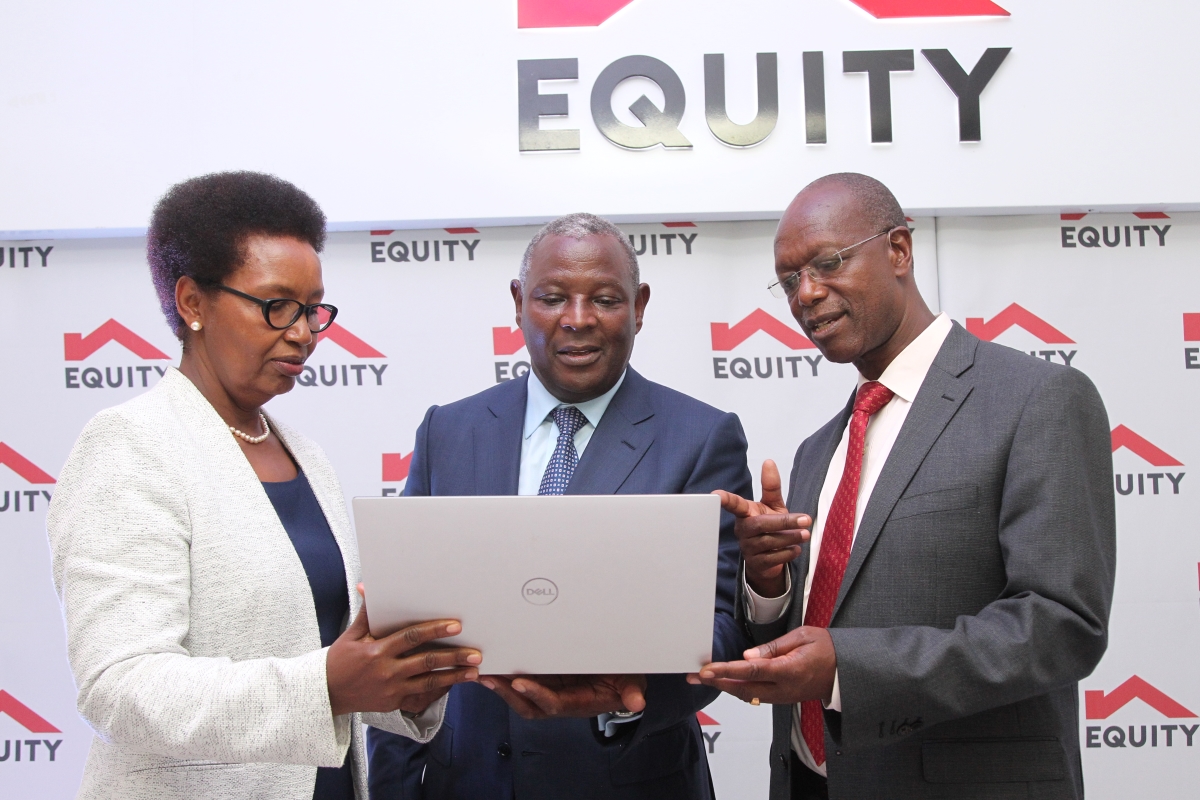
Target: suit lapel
x=942 y=394
x=620 y=441
x=805 y=493
x=497 y=441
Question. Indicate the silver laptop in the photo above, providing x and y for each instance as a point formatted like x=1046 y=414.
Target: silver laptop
x=612 y=584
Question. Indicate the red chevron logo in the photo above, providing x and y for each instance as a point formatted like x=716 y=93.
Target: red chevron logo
x=1015 y=315
x=77 y=347
x=23 y=466
x=395 y=466
x=590 y=13
x=1098 y=705
x=1123 y=437
x=1191 y=327
x=24 y=715
x=351 y=343
x=705 y=719
x=726 y=337
x=506 y=341
x=566 y=13
x=901 y=9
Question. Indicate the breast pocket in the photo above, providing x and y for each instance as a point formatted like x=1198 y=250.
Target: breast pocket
x=955 y=498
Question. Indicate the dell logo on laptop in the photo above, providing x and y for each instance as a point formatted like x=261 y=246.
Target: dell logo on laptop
x=539 y=591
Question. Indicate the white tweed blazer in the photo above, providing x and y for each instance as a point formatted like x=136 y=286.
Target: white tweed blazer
x=191 y=629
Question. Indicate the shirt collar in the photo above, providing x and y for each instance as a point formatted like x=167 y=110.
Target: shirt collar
x=907 y=371
x=539 y=403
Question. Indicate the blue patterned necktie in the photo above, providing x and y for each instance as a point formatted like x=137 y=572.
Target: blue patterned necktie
x=564 y=459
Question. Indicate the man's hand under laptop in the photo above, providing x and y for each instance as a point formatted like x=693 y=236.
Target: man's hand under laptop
x=546 y=696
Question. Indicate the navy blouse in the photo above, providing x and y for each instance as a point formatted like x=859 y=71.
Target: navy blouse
x=309 y=531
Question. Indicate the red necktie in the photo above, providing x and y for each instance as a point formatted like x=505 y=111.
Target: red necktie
x=836 y=540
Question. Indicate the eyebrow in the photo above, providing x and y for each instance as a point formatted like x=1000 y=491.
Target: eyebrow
x=279 y=290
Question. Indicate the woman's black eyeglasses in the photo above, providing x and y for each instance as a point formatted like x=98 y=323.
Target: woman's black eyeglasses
x=281 y=313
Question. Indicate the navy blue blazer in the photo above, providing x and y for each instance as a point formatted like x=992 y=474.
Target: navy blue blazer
x=651 y=440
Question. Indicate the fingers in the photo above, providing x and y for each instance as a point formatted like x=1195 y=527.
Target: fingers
x=416 y=635
x=438 y=659
x=735 y=504
x=632 y=692
x=791 y=525
x=516 y=701
x=797 y=637
x=768 y=543
x=439 y=681
x=735 y=671
x=547 y=701
x=360 y=628
x=772 y=487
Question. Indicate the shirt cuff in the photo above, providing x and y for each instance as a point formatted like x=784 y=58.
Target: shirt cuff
x=762 y=610
x=835 y=700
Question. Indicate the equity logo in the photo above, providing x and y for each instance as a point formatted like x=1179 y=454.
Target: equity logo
x=32 y=473
x=1191 y=333
x=395 y=470
x=399 y=250
x=590 y=13
x=32 y=722
x=1016 y=316
x=344 y=374
x=660 y=126
x=668 y=243
x=26 y=252
x=710 y=737
x=80 y=347
x=1099 y=705
x=726 y=337
x=1123 y=437
x=1091 y=237
x=508 y=341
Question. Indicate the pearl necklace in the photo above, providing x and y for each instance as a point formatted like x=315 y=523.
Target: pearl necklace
x=253 y=439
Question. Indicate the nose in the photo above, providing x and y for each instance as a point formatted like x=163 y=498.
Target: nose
x=807 y=292
x=299 y=332
x=577 y=314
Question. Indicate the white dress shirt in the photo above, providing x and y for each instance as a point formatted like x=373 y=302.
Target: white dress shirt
x=541 y=432
x=904 y=377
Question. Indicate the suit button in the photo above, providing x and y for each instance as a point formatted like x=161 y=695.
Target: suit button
x=504 y=751
x=837 y=752
x=782 y=760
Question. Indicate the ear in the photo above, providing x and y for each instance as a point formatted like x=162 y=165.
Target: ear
x=639 y=305
x=900 y=241
x=518 y=298
x=189 y=301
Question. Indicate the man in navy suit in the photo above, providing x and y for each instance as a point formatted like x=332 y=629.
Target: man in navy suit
x=580 y=422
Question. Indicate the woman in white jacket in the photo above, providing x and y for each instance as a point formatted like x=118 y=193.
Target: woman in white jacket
x=202 y=553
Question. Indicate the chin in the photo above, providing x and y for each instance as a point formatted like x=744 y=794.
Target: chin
x=837 y=355
x=279 y=384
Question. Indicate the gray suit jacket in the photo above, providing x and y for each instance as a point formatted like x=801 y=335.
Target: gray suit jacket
x=977 y=592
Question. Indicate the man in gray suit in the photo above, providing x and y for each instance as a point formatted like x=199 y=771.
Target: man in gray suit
x=927 y=639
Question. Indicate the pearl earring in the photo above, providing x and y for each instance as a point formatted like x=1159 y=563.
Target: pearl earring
x=195 y=325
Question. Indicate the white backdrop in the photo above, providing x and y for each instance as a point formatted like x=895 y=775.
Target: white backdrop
x=408 y=111
x=417 y=332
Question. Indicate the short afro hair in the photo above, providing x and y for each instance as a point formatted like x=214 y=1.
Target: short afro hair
x=199 y=228
x=875 y=201
x=579 y=226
